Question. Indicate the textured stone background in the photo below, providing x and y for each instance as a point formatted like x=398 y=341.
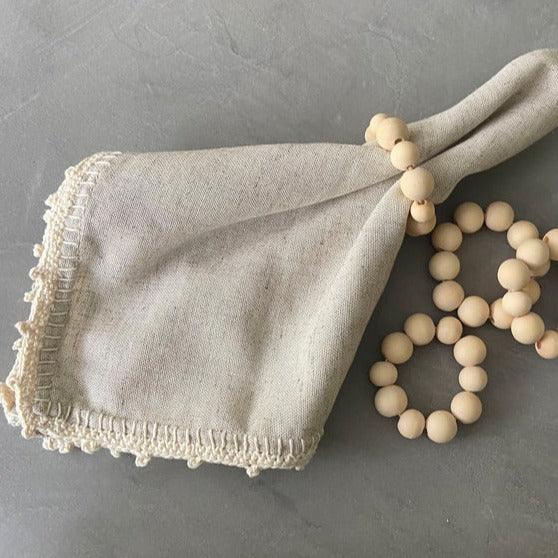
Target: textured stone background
x=82 y=76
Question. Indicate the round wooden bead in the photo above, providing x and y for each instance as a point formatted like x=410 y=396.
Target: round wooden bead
x=423 y=211
x=513 y=274
x=521 y=231
x=447 y=236
x=420 y=329
x=499 y=216
x=473 y=311
x=448 y=295
x=466 y=407
x=444 y=266
x=404 y=154
x=397 y=348
x=542 y=270
x=390 y=401
x=547 y=345
x=527 y=329
x=370 y=134
x=383 y=373
x=417 y=184
x=534 y=252
x=390 y=131
x=449 y=330
x=414 y=228
x=533 y=289
x=498 y=316
x=469 y=350
x=473 y=378
x=516 y=303
x=551 y=238
x=411 y=424
x=469 y=217
x=441 y=427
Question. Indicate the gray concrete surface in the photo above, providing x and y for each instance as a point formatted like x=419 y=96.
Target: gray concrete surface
x=82 y=76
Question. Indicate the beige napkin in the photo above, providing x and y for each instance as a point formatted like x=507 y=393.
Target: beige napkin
x=206 y=305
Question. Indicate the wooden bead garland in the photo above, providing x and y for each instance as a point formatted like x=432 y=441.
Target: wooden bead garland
x=416 y=183
x=391 y=400
x=532 y=259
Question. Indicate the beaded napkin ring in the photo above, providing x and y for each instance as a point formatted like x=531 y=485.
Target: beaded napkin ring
x=398 y=347
x=417 y=183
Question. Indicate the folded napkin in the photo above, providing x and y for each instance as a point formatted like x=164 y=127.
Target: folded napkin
x=206 y=305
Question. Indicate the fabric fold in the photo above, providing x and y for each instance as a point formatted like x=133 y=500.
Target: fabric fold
x=206 y=305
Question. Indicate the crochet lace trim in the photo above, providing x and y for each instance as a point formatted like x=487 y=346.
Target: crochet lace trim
x=26 y=395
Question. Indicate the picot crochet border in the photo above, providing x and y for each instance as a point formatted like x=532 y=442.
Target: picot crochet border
x=26 y=394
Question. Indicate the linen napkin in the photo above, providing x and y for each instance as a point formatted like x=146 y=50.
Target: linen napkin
x=206 y=305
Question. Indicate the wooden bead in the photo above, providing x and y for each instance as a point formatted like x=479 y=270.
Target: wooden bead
x=533 y=289
x=444 y=266
x=498 y=316
x=469 y=350
x=513 y=274
x=417 y=184
x=542 y=270
x=404 y=155
x=466 y=407
x=370 y=134
x=411 y=424
x=383 y=373
x=499 y=216
x=516 y=303
x=414 y=228
x=521 y=231
x=551 y=238
x=547 y=345
x=473 y=378
x=441 y=427
x=423 y=211
x=447 y=236
x=390 y=401
x=449 y=330
x=469 y=217
x=397 y=348
x=534 y=252
x=473 y=311
x=390 y=131
x=527 y=329
x=448 y=295
x=420 y=329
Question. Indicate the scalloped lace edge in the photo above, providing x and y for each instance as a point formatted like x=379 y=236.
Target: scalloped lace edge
x=26 y=397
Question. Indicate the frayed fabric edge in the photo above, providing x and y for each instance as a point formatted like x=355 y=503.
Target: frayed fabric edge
x=25 y=396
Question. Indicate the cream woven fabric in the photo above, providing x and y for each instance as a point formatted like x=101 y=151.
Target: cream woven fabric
x=206 y=305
